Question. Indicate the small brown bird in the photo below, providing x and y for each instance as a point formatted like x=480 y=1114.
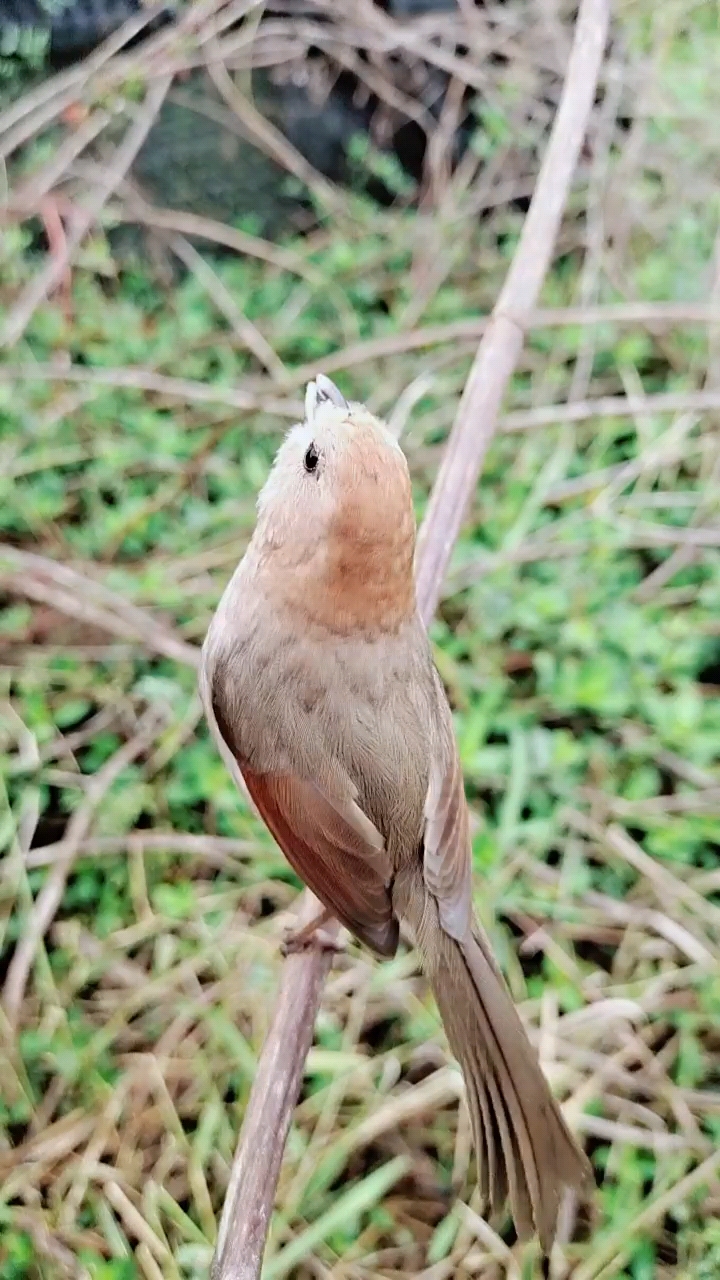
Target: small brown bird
x=319 y=685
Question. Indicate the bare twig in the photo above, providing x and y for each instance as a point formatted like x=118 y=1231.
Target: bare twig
x=23 y=202
x=50 y=896
x=661 y=315
x=51 y=96
x=52 y=273
x=141 y=379
x=218 y=851
x=247 y=333
x=260 y=131
x=502 y=343
x=612 y=407
x=253 y=394
x=193 y=224
x=250 y=1197
x=49 y=582
x=251 y=1193
x=687 y=551
x=495 y=1245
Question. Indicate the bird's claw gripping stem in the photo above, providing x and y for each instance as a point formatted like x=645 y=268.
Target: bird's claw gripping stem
x=311 y=935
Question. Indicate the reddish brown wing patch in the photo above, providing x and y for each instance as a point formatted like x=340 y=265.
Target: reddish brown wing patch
x=341 y=868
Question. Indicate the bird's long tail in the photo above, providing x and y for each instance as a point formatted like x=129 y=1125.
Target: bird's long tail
x=524 y=1148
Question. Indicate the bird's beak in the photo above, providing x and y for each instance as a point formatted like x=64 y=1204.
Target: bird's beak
x=319 y=391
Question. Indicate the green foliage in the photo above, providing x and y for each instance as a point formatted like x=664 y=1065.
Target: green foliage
x=16 y=1255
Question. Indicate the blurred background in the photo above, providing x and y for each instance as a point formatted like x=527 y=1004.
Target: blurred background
x=197 y=216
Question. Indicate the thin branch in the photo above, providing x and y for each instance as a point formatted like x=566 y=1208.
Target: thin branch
x=25 y=200
x=502 y=342
x=251 y=1192
x=660 y=315
x=52 y=273
x=643 y=534
x=218 y=851
x=193 y=224
x=45 y=103
x=108 y=67
x=50 y=896
x=547 y=415
x=244 y=329
x=250 y=1197
x=262 y=133
x=252 y=396
x=78 y=596
x=140 y=379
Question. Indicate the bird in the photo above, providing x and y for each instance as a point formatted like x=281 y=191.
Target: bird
x=320 y=689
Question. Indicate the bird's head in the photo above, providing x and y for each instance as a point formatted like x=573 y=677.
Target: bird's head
x=336 y=510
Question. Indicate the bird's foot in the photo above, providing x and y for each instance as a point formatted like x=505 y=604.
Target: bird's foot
x=312 y=935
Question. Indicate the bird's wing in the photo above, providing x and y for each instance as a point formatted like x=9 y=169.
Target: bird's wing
x=325 y=836
x=446 y=857
x=334 y=848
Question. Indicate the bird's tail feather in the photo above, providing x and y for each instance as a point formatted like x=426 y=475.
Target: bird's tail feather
x=524 y=1147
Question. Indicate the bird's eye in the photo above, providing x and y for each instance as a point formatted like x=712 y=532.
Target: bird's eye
x=311 y=459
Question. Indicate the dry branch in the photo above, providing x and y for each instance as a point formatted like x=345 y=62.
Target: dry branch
x=502 y=342
x=256 y=393
x=77 y=596
x=250 y=1197
x=49 y=898
x=137 y=378
x=42 y=105
x=43 y=284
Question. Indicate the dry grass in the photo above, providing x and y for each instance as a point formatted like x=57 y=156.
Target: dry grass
x=140 y=903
